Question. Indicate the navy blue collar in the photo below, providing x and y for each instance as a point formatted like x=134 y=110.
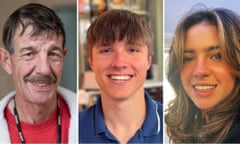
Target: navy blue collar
x=151 y=125
x=100 y=125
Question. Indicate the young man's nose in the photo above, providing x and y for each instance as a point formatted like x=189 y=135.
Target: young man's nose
x=119 y=60
x=201 y=69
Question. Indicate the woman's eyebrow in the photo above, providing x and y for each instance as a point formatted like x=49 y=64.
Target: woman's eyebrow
x=211 y=48
x=188 y=51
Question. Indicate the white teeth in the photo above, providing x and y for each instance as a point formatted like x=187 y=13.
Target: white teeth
x=120 y=78
x=205 y=88
x=41 y=84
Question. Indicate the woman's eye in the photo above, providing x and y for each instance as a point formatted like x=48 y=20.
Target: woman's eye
x=187 y=59
x=216 y=56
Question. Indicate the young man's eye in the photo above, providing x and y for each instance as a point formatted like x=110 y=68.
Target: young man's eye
x=217 y=56
x=133 y=50
x=105 y=50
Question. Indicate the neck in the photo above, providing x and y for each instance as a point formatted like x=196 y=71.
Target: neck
x=124 y=118
x=33 y=113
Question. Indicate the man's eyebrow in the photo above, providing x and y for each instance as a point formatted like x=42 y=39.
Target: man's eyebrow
x=135 y=43
x=26 y=49
x=56 y=48
x=30 y=48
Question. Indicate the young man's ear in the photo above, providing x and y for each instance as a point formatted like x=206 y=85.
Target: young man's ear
x=149 y=63
x=5 y=60
x=90 y=61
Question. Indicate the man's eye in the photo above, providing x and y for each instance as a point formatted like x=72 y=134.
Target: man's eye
x=55 y=56
x=133 y=50
x=28 y=56
x=106 y=50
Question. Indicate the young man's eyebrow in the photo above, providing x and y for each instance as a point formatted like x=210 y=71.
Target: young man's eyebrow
x=135 y=43
x=102 y=44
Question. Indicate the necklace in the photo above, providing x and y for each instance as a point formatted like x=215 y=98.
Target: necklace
x=20 y=133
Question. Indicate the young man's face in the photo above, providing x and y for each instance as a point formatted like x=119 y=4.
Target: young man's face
x=34 y=62
x=120 y=68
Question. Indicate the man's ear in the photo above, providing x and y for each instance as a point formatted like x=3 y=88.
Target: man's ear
x=149 y=63
x=5 y=60
x=90 y=61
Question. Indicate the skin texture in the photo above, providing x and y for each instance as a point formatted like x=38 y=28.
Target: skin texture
x=120 y=60
x=206 y=77
x=120 y=69
x=34 y=61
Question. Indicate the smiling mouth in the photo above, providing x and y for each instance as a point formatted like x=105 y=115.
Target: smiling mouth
x=41 y=81
x=41 y=84
x=204 y=87
x=120 y=77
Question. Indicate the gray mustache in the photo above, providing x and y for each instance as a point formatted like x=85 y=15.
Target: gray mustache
x=43 y=79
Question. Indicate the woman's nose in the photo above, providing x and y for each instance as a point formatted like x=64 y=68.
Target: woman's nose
x=201 y=69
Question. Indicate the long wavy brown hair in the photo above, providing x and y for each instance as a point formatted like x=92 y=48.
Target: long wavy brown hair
x=185 y=122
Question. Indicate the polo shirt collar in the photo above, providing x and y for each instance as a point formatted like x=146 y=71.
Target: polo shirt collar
x=151 y=125
x=99 y=119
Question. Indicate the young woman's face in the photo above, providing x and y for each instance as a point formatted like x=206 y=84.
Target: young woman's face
x=205 y=75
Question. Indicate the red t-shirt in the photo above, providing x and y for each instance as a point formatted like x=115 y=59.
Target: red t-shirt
x=44 y=132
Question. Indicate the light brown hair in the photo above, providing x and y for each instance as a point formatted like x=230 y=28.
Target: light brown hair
x=116 y=25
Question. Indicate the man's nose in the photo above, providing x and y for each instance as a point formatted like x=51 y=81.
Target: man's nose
x=43 y=65
x=119 y=60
